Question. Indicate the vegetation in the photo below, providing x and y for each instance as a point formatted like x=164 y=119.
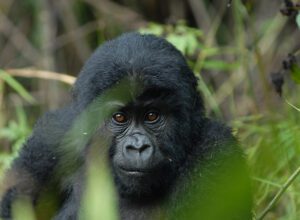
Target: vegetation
x=246 y=55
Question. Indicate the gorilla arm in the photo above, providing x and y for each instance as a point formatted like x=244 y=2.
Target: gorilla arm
x=31 y=170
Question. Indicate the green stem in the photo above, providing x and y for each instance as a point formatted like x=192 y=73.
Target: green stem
x=279 y=193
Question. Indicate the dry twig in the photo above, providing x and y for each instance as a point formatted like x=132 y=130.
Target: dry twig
x=42 y=74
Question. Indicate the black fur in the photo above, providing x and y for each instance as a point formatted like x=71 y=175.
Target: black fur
x=207 y=162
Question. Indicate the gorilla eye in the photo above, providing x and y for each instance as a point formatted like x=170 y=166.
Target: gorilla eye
x=120 y=117
x=151 y=116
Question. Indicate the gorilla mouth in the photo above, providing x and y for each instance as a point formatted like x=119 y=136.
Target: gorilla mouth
x=135 y=172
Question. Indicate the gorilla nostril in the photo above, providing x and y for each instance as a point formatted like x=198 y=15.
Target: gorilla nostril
x=140 y=149
x=130 y=148
x=144 y=148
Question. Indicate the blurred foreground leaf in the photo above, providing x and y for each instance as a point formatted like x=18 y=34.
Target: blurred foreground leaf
x=16 y=86
x=16 y=131
x=298 y=20
x=99 y=198
x=23 y=210
x=220 y=65
x=295 y=70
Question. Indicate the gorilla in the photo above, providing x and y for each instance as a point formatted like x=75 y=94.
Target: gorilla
x=137 y=98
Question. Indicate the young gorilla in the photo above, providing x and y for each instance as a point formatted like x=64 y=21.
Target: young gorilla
x=167 y=159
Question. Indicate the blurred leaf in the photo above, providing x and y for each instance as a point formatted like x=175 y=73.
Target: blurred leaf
x=153 y=28
x=99 y=197
x=16 y=131
x=220 y=65
x=16 y=86
x=184 y=38
x=298 y=20
x=23 y=210
x=210 y=51
x=187 y=43
x=9 y=132
x=295 y=71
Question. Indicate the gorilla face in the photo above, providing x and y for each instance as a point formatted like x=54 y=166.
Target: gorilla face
x=144 y=152
x=153 y=130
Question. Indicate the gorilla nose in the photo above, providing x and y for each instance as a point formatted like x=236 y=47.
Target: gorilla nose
x=138 y=148
x=143 y=152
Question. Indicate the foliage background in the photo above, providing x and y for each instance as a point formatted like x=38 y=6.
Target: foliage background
x=232 y=48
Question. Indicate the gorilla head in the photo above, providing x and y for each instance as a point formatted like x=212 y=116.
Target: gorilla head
x=153 y=132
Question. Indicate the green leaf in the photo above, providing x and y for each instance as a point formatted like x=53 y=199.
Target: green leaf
x=220 y=65
x=16 y=86
x=178 y=41
x=210 y=51
x=184 y=38
x=153 y=28
x=295 y=71
x=298 y=19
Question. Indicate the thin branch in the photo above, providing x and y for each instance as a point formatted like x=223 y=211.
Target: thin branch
x=290 y=104
x=19 y=40
x=279 y=193
x=48 y=26
x=201 y=15
x=70 y=23
x=81 y=32
x=42 y=74
x=121 y=14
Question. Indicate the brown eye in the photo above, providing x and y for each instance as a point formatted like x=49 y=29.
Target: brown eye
x=120 y=117
x=151 y=116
